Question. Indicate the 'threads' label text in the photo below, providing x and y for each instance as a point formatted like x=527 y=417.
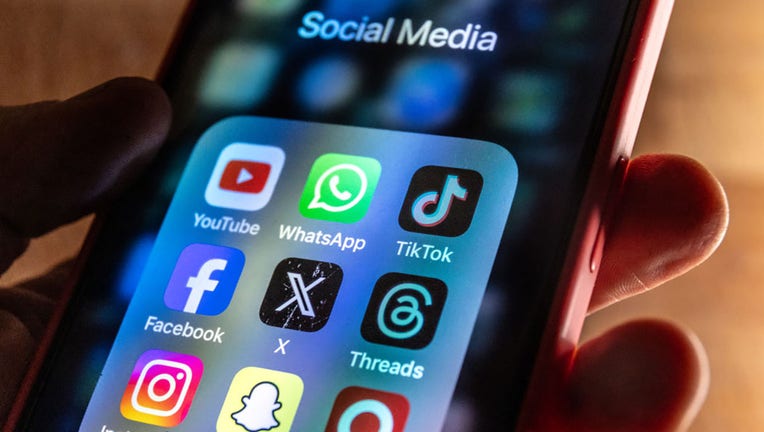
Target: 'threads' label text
x=411 y=369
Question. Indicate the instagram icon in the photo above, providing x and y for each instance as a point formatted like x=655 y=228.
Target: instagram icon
x=161 y=388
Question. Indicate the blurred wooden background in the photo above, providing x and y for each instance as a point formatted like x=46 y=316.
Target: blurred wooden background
x=707 y=101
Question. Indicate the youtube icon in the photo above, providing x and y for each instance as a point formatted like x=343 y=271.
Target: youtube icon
x=244 y=176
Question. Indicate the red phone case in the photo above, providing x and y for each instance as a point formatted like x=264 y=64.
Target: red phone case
x=566 y=317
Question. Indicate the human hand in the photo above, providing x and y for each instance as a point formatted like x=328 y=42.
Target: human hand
x=61 y=161
x=646 y=375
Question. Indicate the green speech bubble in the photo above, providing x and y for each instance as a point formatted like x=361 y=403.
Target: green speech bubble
x=339 y=187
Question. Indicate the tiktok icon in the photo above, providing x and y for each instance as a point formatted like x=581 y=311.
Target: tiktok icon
x=441 y=201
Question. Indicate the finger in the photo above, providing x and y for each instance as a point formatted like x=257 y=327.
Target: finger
x=644 y=375
x=61 y=160
x=24 y=313
x=671 y=216
x=16 y=348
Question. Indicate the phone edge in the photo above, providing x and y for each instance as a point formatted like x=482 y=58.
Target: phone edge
x=570 y=305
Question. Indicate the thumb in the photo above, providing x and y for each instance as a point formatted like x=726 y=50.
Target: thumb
x=61 y=160
x=646 y=375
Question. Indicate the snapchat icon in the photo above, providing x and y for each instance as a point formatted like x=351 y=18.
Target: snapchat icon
x=260 y=400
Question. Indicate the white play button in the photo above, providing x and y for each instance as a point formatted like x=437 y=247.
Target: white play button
x=244 y=176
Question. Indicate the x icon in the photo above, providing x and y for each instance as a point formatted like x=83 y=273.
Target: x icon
x=300 y=294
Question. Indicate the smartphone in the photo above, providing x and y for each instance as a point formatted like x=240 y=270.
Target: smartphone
x=369 y=216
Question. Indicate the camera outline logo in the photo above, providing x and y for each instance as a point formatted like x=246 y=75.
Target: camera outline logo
x=204 y=279
x=340 y=187
x=161 y=388
x=244 y=176
x=441 y=201
x=367 y=408
x=404 y=310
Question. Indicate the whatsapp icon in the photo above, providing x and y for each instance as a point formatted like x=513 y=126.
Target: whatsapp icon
x=339 y=187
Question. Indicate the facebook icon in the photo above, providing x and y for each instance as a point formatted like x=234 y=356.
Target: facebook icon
x=204 y=279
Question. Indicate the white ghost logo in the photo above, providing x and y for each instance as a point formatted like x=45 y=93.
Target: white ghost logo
x=259 y=406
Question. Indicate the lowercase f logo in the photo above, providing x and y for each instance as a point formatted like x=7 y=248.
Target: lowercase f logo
x=204 y=279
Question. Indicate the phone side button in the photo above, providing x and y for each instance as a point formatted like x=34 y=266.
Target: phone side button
x=597 y=249
x=610 y=206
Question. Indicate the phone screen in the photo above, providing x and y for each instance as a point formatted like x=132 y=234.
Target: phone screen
x=357 y=223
